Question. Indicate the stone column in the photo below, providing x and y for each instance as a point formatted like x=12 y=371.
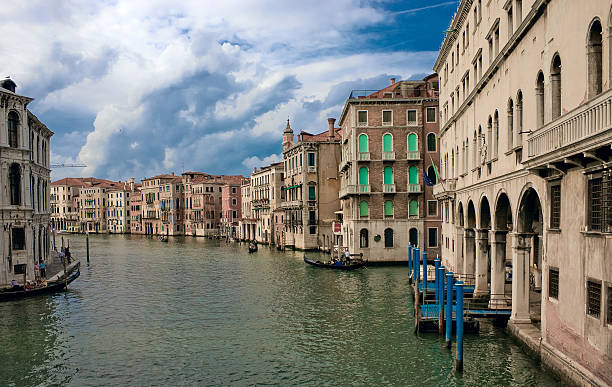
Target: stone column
x=468 y=255
x=459 y=257
x=498 y=268
x=521 y=249
x=539 y=106
x=482 y=247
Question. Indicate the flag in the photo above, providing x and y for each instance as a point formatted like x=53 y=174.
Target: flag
x=427 y=179
x=435 y=169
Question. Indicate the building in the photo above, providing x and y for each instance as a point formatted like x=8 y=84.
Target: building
x=247 y=223
x=310 y=188
x=162 y=201
x=118 y=209
x=25 y=205
x=136 y=211
x=231 y=206
x=526 y=134
x=389 y=144
x=64 y=204
x=266 y=185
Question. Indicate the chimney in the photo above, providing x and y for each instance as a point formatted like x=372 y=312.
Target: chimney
x=330 y=122
x=392 y=81
x=172 y=173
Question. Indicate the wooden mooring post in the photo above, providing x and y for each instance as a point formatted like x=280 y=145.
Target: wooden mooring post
x=87 y=246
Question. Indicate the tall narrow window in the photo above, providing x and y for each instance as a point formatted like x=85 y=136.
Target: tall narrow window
x=555 y=206
x=518 y=138
x=595 y=203
x=540 y=100
x=363 y=176
x=364 y=209
x=387 y=143
x=510 y=124
x=413 y=152
x=363 y=238
x=387 y=117
x=413 y=236
x=432 y=237
x=593 y=298
x=431 y=174
x=510 y=23
x=363 y=143
x=411 y=117
x=595 y=59
x=431 y=142
x=311 y=159
x=388 y=175
x=413 y=175
x=389 y=237
x=15 y=184
x=555 y=80
x=362 y=118
x=431 y=114
x=414 y=208
x=312 y=193
x=553 y=283
x=13 y=125
x=388 y=209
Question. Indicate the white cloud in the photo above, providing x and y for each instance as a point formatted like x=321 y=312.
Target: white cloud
x=256 y=162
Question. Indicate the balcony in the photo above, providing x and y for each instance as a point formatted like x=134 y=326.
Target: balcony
x=363 y=156
x=579 y=130
x=414 y=155
x=388 y=155
x=414 y=188
x=344 y=164
x=312 y=169
x=389 y=188
x=291 y=203
x=445 y=189
x=355 y=189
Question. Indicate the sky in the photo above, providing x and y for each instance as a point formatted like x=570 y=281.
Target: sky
x=135 y=88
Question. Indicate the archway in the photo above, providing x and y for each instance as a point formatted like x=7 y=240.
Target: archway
x=483 y=250
x=413 y=236
x=527 y=259
x=594 y=59
x=501 y=255
x=459 y=254
x=469 y=262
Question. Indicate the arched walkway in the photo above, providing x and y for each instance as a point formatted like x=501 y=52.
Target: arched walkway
x=501 y=254
x=482 y=250
x=469 y=262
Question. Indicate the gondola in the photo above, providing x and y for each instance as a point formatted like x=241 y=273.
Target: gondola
x=356 y=264
x=252 y=248
x=10 y=294
x=163 y=239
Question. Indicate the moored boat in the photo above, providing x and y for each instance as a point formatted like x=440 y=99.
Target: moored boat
x=163 y=239
x=355 y=264
x=52 y=287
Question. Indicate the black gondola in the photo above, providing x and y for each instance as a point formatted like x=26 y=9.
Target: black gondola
x=10 y=294
x=163 y=239
x=252 y=248
x=356 y=264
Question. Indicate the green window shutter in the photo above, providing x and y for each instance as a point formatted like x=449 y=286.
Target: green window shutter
x=412 y=142
x=387 y=143
x=363 y=209
x=363 y=143
x=311 y=193
x=389 y=208
x=412 y=175
x=414 y=208
x=388 y=176
x=363 y=176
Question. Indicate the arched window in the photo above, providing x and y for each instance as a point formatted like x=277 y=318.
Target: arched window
x=388 y=175
x=364 y=210
x=413 y=236
x=37 y=149
x=412 y=142
x=555 y=80
x=363 y=143
x=414 y=208
x=363 y=176
x=388 y=143
x=594 y=59
x=496 y=131
x=431 y=174
x=13 y=129
x=519 y=119
x=431 y=142
x=15 y=184
x=413 y=175
x=540 y=99
x=389 y=237
x=453 y=163
x=363 y=238
x=44 y=153
x=388 y=208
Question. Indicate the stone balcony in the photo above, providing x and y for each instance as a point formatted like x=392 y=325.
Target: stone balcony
x=445 y=189
x=311 y=169
x=389 y=188
x=291 y=204
x=414 y=188
x=388 y=156
x=363 y=156
x=414 y=155
x=355 y=189
x=575 y=133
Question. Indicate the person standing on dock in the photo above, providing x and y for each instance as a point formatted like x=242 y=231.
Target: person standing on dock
x=36 y=270
x=43 y=269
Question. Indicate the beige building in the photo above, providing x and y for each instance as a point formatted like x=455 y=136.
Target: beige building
x=310 y=189
x=162 y=202
x=266 y=186
x=64 y=205
x=389 y=142
x=24 y=202
x=526 y=134
x=118 y=207
x=247 y=223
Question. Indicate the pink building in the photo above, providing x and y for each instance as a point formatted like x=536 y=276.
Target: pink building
x=231 y=205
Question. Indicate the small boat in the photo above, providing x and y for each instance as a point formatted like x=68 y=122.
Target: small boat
x=163 y=239
x=52 y=287
x=355 y=264
x=252 y=248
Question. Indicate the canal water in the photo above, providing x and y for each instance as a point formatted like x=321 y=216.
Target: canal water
x=202 y=312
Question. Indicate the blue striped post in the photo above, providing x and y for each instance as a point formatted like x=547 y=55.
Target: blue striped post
x=436 y=280
x=409 y=260
x=459 y=364
x=424 y=274
x=449 y=308
x=417 y=257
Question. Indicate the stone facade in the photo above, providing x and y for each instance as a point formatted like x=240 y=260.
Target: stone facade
x=390 y=139
x=24 y=202
x=526 y=138
x=266 y=186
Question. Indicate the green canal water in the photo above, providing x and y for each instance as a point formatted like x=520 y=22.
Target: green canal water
x=201 y=312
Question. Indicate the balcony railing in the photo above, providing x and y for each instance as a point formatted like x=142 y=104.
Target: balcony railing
x=414 y=155
x=291 y=203
x=445 y=188
x=355 y=189
x=343 y=164
x=583 y=122
x=414 y=188
x=388 y=156
x=312 y=169
x=389 y=188
x=364 y=156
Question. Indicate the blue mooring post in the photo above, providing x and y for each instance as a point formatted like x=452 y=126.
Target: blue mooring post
x=441 y=272
x=409 y=260
x=449 y=308
x=436 y=279
x=459 y=363
x=417 y=258
x=424 y=274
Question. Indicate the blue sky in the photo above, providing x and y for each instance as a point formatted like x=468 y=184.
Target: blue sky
x=140 y=87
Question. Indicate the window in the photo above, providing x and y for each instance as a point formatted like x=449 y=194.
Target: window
x=555 y=80
x=363 y=176
x=15 y=184
x=594 y=59
x=312 y=193
x=388 y=175
x=364 y=210
x=387 y=143
x=413 y=236
x=362 y=118
x=414 y=208
x=431 y=114
x=13 y=125
x=432 y=237
x=595 y=204
x=412 y=175
x=432 y=208
x=540 y=99
x=553 y=283
x=363 y=143
x=19 y=269
x=389 y=237
x=313 y=230
x=387 y=117
x=593 y=298
x=431 y=174
x=609 y=304
x=388 y=209
x=363 y=238
x=18 y=238
x=311 y=159
x=510 y=22
x=412 y=143
x=431 y=142
x=233 y=190
x=555 y=206
x=312 y=217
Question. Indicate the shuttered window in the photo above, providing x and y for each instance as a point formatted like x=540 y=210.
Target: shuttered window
x=593 y=298
x=595 y=204
x=555 y=206
x=553 y=283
